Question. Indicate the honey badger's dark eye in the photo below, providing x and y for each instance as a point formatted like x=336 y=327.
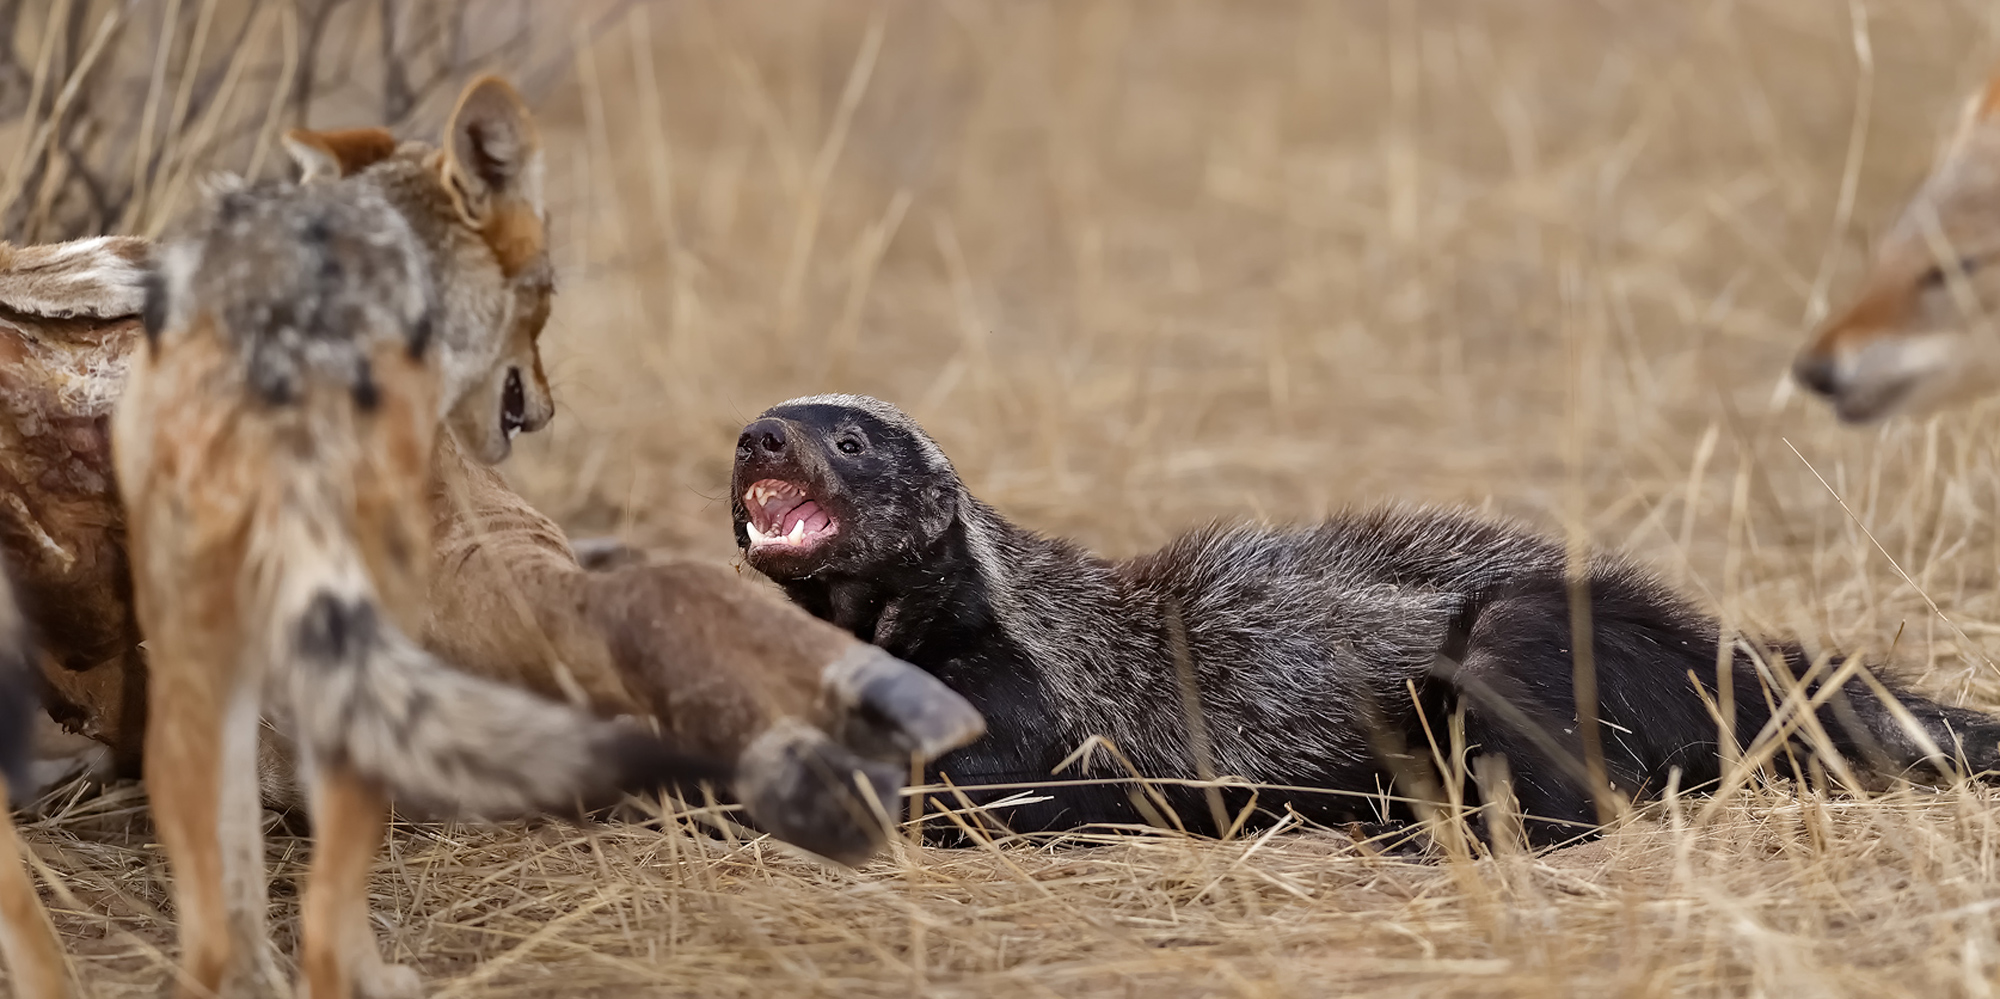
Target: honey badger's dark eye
x=849 y=445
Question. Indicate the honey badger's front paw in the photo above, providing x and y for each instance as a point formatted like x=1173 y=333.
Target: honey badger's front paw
x=886 y=709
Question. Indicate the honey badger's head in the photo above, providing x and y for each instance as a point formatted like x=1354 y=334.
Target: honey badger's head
x=837 y=485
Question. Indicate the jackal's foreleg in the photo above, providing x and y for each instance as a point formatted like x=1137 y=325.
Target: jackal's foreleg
x=26 y=940
x=340 y=957
x=201 y=750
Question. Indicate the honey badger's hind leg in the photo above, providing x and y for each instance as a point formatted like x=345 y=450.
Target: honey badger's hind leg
x=1515 y=677
x=1654 y=663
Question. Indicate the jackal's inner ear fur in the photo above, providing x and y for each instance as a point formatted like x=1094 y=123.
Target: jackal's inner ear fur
x=492 y=152
x=338 y=153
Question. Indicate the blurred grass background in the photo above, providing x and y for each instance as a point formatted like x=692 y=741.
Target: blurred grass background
x=1138 y=265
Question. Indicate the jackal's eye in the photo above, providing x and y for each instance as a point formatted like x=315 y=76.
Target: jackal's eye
x=848 y=445
x=1935 y=277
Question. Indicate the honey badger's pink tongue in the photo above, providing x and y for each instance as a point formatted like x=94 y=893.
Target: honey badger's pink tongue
x=806 y=517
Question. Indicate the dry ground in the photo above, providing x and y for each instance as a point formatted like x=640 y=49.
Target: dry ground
x=1142 y=264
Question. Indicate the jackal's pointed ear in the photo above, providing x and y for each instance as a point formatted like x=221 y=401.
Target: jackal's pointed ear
x=338 y=153
x=493 y=155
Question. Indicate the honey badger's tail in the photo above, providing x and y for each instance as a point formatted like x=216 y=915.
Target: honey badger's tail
x=1892 y=729
x=358 y=692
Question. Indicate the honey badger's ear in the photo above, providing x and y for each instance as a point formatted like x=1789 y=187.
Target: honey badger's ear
x=937 y=507
x=493 y=155
x=334 y=154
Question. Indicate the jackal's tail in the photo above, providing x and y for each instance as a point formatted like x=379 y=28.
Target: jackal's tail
x=358 y=692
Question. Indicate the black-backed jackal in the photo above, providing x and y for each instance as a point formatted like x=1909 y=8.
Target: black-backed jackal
x=725 y=667
x=273 y=449
x=1920 y=333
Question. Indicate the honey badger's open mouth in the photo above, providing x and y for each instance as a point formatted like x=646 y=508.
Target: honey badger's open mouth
x=782 y=517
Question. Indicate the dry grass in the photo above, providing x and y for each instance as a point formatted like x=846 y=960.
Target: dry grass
x=1142 y=264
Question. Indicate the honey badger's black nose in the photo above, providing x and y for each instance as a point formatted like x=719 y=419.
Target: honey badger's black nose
x=765 y=438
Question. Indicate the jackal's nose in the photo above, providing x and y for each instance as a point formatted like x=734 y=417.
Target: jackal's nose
x=765 y=438
x=1819 y=373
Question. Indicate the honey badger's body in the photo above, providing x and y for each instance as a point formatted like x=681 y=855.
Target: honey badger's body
x=1303 y=643
x=273 y=449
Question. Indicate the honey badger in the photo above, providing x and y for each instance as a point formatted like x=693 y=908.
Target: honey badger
x=1302 y=643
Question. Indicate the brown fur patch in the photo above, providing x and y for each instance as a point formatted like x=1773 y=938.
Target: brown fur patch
x=1878 y=312
x=516 y=235
x=353 y=149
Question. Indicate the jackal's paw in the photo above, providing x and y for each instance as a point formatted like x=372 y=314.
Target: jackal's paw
x=814 y=793
x=387 y=981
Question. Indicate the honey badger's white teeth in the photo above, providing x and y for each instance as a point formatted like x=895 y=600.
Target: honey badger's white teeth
x=770 y=506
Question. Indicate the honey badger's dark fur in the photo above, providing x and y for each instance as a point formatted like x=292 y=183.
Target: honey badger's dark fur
x=1301 y=639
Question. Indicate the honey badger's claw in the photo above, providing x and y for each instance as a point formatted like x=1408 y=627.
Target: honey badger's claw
x=894 y=708
x=601 y=554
